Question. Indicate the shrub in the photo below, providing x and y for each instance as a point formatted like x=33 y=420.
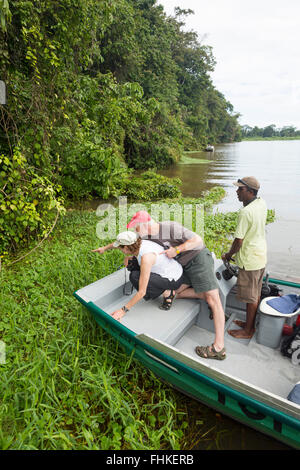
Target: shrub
x=151 y=186
x=28 y=202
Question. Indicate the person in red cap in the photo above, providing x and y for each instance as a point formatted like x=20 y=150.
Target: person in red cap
x=199 y=279
x=140 y=217
x=249 y=246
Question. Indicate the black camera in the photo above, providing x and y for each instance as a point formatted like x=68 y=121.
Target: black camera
x=133 y=264
x=230 y=270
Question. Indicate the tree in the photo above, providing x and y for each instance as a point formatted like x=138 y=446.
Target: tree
x=287 y=131
x=95 y=89
x=269 y=131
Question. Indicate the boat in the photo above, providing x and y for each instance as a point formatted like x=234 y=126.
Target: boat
x=251 y=385
x=209 y=148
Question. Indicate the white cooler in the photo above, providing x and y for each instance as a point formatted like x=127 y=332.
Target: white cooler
x=271 y=324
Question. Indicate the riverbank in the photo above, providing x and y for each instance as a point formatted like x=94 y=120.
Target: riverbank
x=65 y=383
x=270 y=138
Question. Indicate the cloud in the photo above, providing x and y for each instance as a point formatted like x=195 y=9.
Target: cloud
x=256 y=48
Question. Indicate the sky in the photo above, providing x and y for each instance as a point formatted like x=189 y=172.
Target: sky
x=257 y=49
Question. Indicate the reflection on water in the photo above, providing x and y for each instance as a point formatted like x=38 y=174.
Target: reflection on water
x=276 y=164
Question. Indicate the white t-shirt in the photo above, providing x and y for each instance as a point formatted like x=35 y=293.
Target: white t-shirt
x=164 y=266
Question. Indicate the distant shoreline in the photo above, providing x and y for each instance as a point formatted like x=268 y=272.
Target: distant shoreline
x=272 y=138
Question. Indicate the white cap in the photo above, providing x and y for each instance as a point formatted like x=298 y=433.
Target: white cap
x=126 y=238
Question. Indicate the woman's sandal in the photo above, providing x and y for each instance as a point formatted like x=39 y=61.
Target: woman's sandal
x=210 y=353
x=167 y=305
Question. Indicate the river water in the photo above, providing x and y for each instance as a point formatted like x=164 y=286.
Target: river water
x=276 y=164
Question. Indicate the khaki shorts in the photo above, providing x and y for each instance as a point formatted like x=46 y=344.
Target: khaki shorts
x=249 y=284
x=199 y=272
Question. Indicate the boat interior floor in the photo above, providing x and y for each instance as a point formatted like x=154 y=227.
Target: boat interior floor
x=187 y=325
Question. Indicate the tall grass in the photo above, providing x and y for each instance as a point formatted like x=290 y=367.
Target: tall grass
x=66 y=384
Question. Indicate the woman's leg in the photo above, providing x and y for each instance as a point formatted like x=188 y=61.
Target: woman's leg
x=169 y=294
x=156 y=285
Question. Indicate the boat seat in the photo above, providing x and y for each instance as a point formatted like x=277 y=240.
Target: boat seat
x=144 y=317
x=165 y=325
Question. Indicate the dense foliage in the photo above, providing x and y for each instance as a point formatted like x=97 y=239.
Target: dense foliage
x=150 y=186
x=95 y=89
x=286 y=132
x=30 y=198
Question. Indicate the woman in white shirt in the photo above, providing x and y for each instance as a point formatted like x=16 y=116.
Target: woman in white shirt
x=154 y=275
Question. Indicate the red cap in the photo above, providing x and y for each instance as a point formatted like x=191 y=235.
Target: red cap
x=139 y=217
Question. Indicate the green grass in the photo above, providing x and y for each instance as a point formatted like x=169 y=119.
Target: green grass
x=66 y=384
x=185 y=160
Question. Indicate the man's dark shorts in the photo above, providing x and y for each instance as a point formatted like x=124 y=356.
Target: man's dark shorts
x=199 y=272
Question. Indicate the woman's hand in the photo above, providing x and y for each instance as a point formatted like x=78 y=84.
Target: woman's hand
x=118 y=314
x=99 y=250
x=126 y=260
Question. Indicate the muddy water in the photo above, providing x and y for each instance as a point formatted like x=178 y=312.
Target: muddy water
x=276 y=164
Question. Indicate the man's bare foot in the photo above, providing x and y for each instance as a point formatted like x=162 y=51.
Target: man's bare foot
x=241 y=334
x=240 y=323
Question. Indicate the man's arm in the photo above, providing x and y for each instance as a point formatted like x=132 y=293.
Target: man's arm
x=190 y=244
x=240 y=232
x=235 y=247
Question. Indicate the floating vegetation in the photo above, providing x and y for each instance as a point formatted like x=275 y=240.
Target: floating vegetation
x=187 y=160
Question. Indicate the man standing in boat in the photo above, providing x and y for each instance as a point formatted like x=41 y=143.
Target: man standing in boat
x=250 y=248
x=199 y=279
